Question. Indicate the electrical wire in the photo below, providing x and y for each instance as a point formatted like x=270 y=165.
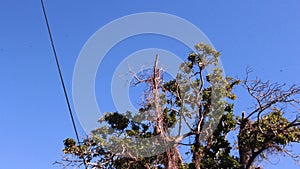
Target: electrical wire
x=61 y=77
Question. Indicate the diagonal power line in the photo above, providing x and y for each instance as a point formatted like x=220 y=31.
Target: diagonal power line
x=61 y=77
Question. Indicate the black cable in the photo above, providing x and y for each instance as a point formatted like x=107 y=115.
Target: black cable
x=61 y=77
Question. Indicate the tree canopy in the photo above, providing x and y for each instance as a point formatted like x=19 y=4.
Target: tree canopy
x=191 y=116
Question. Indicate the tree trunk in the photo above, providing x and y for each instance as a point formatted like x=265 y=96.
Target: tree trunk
x=196 y=153
x=173 y=158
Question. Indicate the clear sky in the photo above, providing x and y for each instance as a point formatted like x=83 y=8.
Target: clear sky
x=34 y=120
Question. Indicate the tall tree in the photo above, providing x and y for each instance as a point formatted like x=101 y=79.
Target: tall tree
x=199 y=108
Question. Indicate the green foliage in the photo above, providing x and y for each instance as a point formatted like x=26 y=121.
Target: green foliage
x=217 y=154
x=116 y=121
x=271 y=131
x=169 y=117
x=208 y=101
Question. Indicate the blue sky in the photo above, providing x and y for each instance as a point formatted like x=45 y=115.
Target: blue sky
x=33 y=114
